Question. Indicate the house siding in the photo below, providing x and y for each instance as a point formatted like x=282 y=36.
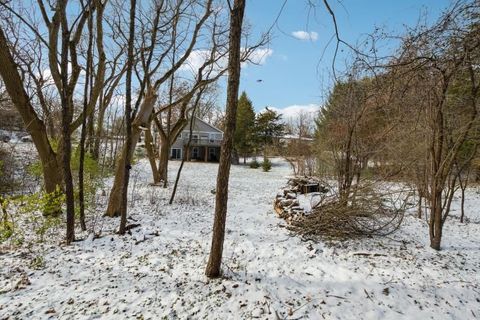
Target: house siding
x=207 y=140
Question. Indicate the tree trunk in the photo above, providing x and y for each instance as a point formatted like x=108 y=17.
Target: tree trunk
x=436 y=223
x=235 y=160
x=113 y=209
x=462 y=205
x=221 y=201
x=35 y=127
x=66 y=97
x=98 y=136
x=83 y=134
x=129 y=144
x=163 y=164
x=151 y=156
x=419 y=211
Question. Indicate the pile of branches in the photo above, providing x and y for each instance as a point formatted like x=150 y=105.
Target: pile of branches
x=364 y=213
x=337 y=221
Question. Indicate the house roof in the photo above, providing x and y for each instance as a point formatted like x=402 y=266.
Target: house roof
x=296 y=137
x=201 y=126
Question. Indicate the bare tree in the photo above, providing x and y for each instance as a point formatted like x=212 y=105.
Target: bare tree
x=128 y=117
x=437 y=59
x=221 y=200
x=31 y=54
x=154 y=76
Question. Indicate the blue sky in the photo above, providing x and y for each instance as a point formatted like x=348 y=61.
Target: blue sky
x=294 y=77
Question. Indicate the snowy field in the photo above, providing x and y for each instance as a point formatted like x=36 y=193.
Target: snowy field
x=158 y=271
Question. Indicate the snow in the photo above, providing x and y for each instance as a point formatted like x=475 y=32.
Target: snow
x=13 y=136
x=158 y=271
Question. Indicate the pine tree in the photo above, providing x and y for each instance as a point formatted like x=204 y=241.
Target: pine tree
x=244 y=131
x=268 y=128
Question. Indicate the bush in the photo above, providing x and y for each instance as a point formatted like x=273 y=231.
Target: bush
x=7 y=171
x=92 y=178
x=254 y=164
x=266 y=165
x=27 y=216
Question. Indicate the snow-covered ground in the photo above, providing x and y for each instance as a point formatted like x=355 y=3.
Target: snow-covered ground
x=158 y=271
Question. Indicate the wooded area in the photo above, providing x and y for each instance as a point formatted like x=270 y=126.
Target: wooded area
x=99 y=91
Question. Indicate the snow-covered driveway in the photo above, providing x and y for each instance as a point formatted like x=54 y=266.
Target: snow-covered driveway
x=158 y=271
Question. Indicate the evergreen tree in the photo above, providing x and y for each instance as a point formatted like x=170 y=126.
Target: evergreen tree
x=244 y=131
x=268 y=128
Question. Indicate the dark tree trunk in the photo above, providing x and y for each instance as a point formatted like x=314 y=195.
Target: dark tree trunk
x=436 y=223
x=128 y=121
x=215 y=260
x=67 y=115
x=419 y=212
x=83 y=134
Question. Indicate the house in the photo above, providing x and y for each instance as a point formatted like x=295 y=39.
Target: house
x=204 y=146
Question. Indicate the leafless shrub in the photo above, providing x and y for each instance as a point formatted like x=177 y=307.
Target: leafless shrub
x=370 y=213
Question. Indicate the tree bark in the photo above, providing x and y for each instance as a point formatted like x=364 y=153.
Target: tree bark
x=213 y=268
x=129 y=144
x=83 y=133
x=152 y=156
x=436 y=223
x=66 y=97
x=141 y=120
x=98 y=130
x=163 y=164
x=34 y=126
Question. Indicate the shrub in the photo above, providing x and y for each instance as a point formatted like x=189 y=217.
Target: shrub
x=92 y=178
x=254 y=164
x=266 y=165
x=27 y=211
x=7 y=171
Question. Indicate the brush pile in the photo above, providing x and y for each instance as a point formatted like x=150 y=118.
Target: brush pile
x=365 y=213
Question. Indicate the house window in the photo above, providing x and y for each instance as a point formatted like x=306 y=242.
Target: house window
x=195 y=153
x=176 y=153
x=216 y=136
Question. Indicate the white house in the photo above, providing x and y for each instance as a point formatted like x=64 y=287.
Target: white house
x=204 y=146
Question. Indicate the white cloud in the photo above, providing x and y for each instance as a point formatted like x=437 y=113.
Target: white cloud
x=291 y=113
x=198 y=57
x=259 y=56
x=305 y=35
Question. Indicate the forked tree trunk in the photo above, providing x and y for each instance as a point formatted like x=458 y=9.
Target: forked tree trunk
x=141 y=120
x=221 y=200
